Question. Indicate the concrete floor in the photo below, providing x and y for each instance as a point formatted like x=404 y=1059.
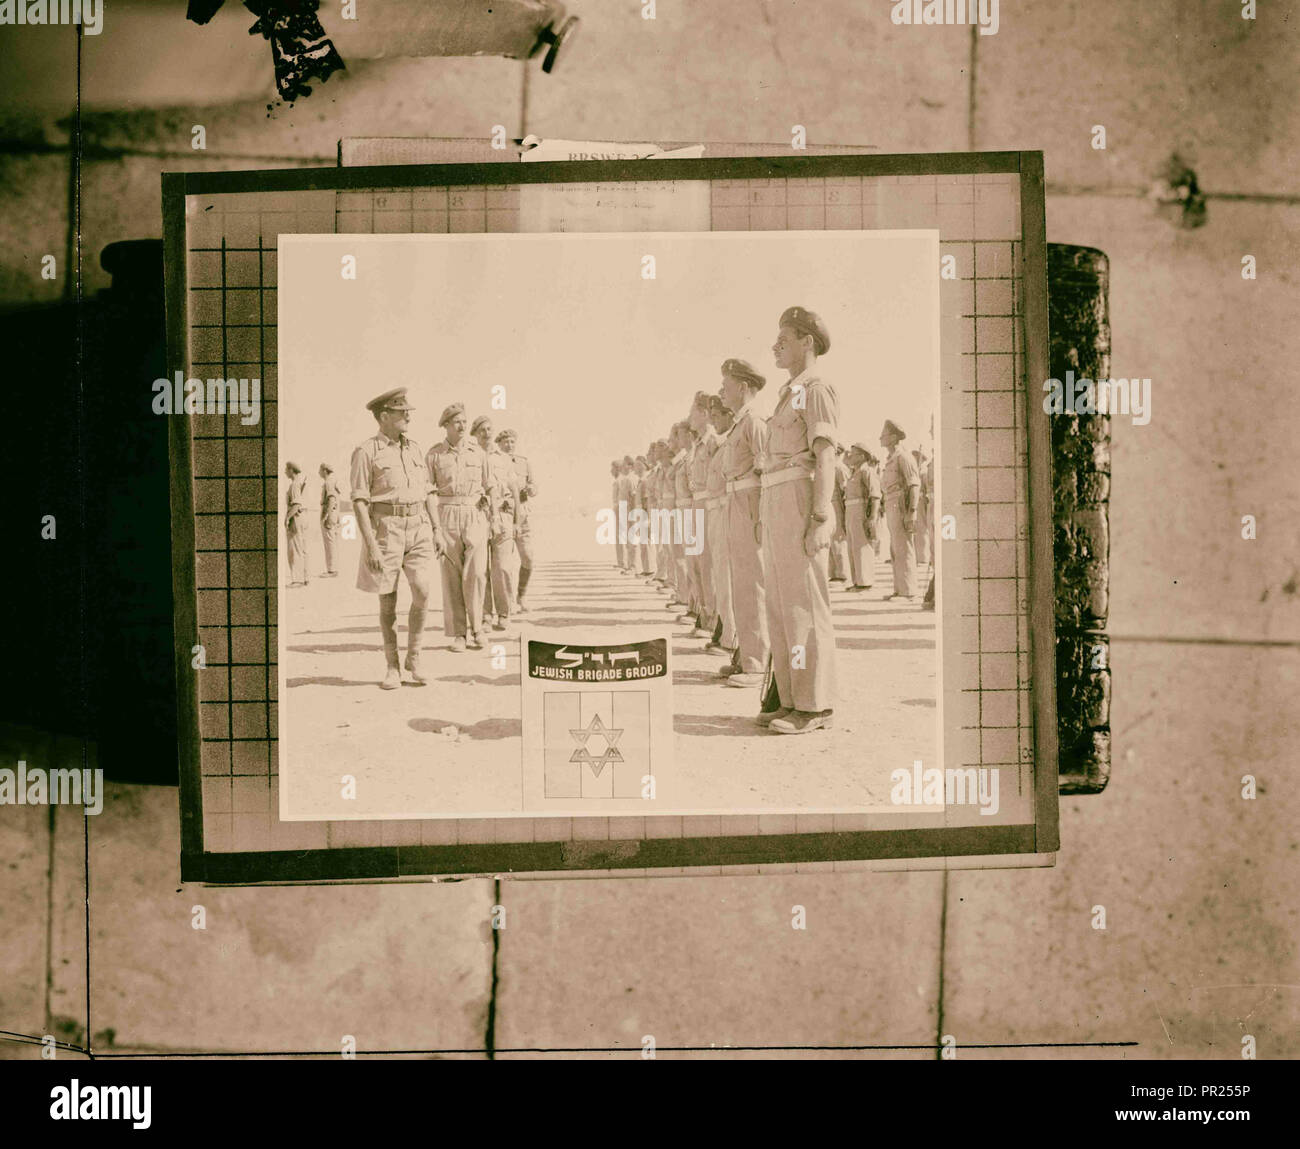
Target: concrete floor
x=1199 y=885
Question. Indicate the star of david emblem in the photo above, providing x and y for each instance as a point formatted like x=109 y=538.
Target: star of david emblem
x=611 y=736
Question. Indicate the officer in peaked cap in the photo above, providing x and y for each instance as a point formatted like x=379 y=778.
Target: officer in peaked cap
x=797 y=518
x=901 y=485
x=391 y=493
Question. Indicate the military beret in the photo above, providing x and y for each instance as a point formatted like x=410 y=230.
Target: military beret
x=861 y=448
x=702 y=399
x=327 y=468
x=507 y=433
x=807 y=323
x=449 y=413
x=893 y=428
x=394 y=400
x=474 y=426
x=744 y=372
x=293 y=466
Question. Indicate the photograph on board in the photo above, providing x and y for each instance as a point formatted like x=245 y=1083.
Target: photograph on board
x=607 y=523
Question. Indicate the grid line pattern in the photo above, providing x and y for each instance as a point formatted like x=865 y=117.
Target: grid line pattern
x=231 y=245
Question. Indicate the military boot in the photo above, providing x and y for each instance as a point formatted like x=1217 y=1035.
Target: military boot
x=414 y=637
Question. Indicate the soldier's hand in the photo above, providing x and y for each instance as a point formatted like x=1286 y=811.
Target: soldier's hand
x=817 y=537
x=374 y=560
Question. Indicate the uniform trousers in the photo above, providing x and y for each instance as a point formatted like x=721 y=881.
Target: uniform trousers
x=799 y=622
x=296 y=535
x=748 y=581
x=330 y=537
x=463 y=568
x=717 y=546
x=902 y=549
x=862 y=559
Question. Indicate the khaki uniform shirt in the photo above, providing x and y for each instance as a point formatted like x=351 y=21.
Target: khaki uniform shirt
x=792 y=431
x=745 y=445
x=386 y=470
x=459 y=472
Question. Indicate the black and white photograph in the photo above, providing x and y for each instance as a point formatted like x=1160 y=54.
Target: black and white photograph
x=584 y=436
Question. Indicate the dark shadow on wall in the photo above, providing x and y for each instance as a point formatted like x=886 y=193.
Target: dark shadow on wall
x=89 y=626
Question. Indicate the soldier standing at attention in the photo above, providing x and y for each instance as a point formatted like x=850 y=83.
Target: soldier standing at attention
x=641 y=493
x=861 y=506
x=706 y=442
x=329 y=516
x=922 y=512
x=798 y=521
x=395 y=513
x=463 y=498
x=615 y=469
x=499 y=580
x=742 y=453
x=683 y=441
x=659 y=460
x=901 y=487
x=527 y=489
x=715 y=534
x=295 y=525
x=627 y=494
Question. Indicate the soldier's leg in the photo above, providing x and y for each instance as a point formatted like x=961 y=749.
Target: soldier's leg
x=474 y=572
x=327 y=540
x=417 y=563
x=777 y=543
x=454 y=614
x=721 y=547
x=854 y=529
x=806 y=599
x=502 y=552
x=388 y=628
x=524 y=545
x=897 y=541
x=748 y=589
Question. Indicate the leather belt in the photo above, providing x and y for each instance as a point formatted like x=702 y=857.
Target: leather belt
x=851 y=502
x=403 y=510
x=748 y=483
x=785 y=475
x=459 y=500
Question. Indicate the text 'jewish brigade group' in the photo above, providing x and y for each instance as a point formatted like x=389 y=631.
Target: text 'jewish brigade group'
x=464 y=502
x=786 y=510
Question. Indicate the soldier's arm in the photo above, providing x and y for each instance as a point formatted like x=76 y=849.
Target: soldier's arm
x=361 y=505
x=530 y=487
x=821 y=417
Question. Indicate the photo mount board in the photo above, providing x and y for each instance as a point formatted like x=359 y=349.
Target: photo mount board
x=228 y=722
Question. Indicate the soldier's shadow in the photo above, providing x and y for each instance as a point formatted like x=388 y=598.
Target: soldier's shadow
x=503 y=680
x=883 y=643
x=717 y=726
x=485 y=730
x=326 y=680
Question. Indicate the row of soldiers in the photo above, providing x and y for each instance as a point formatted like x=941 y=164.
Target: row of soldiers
x=465 y=503
x=785 y=510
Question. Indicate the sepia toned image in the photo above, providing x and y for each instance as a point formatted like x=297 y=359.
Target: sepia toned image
x=645 y=530
x=550 y=440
